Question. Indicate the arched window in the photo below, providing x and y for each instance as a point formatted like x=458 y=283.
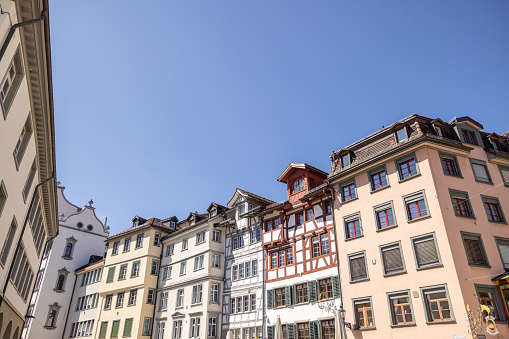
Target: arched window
x=68 y=249
x=51 y=318
x=60 y=282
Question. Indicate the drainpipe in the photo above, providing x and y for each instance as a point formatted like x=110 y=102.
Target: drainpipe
x=13 y=29
x=155 y=292
x=11 y=267
x=70 y=303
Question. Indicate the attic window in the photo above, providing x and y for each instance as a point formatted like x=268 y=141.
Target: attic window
x=213 y=213
x=496 y=145
x=298 y=186
x=439 y=130
x=172 y=225
x=345 y=160
x=469 y=137
x=400 y=135
x=135 y=223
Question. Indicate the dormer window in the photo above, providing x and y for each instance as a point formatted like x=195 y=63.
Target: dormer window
x=440 y=131
x=135 y=223
x=172 y=225
x=213 y=213
x=495 y=144
x=242 y=209
x=469 y=137
x=298 y=186
x=345 y=160
x=400 y=135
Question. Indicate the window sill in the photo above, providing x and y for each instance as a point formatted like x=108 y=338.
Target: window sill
x=346 y=202
x=387 y=275
x=485 y=182
x=135 y=276
x=137 y=248
x=120 y=279
x=498 y=222
x=379 y=189
x=198 y=269
x=386 y=228
x=419 y=218
x=409 y=178
x=452 y=321
x=184 y=249
x=366 y=329
x=477 y=265
x=131 y=305
x=454 y=176
x=126 y=251
x=114 y=254
x=465 y=217
x=176 y=307
x=66 y=257
x=403 y=325
x=356 y=237
x=359 y=281
x=199 y=243
x=429 y=267
x=50 y=327
x=58 y=291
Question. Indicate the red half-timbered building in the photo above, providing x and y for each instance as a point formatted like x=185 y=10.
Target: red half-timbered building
x=301 y=271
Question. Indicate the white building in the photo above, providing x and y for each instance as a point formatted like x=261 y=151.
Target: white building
x=243 y=302
x=81 y=235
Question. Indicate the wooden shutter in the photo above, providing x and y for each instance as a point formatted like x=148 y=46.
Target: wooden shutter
x=111 y=273
x=290 y=331
x=270 y=332
x=288 y=295
x=480 y=172
x=336 y=292
x=314 y=331
x=426 y=251
x=270 y=299
x=392 y=260
x=127 y=327
x=104 y=327
x=312 y=290
x=114 y=329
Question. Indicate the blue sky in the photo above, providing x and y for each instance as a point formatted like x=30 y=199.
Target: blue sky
x=163 y=108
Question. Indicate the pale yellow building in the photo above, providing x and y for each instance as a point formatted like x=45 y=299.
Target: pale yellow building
x=28 y=199
x=129 y=280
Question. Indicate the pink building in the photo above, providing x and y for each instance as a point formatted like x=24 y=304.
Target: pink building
x=422 y=235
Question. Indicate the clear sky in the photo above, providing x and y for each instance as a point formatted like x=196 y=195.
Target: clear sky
x=162 y=107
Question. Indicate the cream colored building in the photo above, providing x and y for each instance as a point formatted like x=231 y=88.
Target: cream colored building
x=129 y=280
x=28 y=211
x=191 y=279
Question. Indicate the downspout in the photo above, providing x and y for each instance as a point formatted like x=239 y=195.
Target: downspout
x=11 y=267
x=70 y=303
x=13 y=29
x=155 y=296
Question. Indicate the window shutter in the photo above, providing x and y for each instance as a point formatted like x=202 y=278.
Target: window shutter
x=426 y=252
x=474 y=252
x=392 y=260
x=270 y=332
x=312 y=290
x=314 y=332
x=111 y=273
x=114 y=329
x=480 y=172
x=127 y=327
x=358 y=267
x=288 y=295
x=104 y=327
x=336 y=292
x=505 y=175
x=270 y=299
x=290 y=331
x=504 y=252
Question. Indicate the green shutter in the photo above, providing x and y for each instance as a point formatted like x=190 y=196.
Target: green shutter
x=111 y=273
x=336 y=292
x=270 y=332
x=312 y=290
x=104 y=327
x=114 y=329
x=288 y=295
x=127 y=327
x=270 y=299
x=290 y=331
x=314 y=332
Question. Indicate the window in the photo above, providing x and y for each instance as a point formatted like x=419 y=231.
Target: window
x=378 y=179
x=289 y=256
x=127 y=244
x=474 y=249
x=167 y=272
x=358 y=269
x=21 y=145
x=407 y=168
x=352 y=226
x=242 y=209
x=163 y=300
x=160 y=326
x=235 y=273
x=107 y=302
x=401 y=308
x=253 y=302
x=240 y=241
x=348 y=192
x=114 y=329
x=345 y=160
x=197 y=294
x=246 y=303
x=60 y=282
x=384 y=216
x=301 y=291
x=363 y=313
x=212 y=332
x=216 y=260
x=268 y=226
x=487 y=296
x=309 y=214
x=122 y=272
x=177 y=329
x=503 y=250
x=114 y=251
x=440 y=131
x=426 y=251
x=214 y=293
x=104 y=328
x=495 y=144
x=436 y=301
x=241 y=271
x=151 y=296
x=132 y=297
x=200 y=237
x=325 y=289
x=392 y=259
x=248 y=269
x=328 y=207
x=298 y=186
x=139 y=240
x=481 y=173
x=279 y=293
x=52 y=317
x=239 y=304
x=69 y=248
x=302 y=331
x=111 y=274
x=315 y=245
x=147 y=322
x=154 y=269
x=461 y=204
x=216 y=235
x=198 y=262
x=10 y=82
x=450 y=165
x=185 y=244
x=299 y=218
x=9 y=239
x=416 y=205
x=254 y=264
x=170 y=249
x=327 y=329
x=3 y=196
x=157 y=239
x=493 y=209
x=120 y=299
x=504 y=172
x=183 y=267
x=281 y=258
x=400 y=135
x=469 y=137
x=195 y=327
x=22 y=274
x=29 y=181
x=136 y=269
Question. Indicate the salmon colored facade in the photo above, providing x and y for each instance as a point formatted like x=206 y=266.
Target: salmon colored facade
x=419 y=215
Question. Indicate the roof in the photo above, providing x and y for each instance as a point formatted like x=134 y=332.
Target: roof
x=466 y=119
x=249 y=194
x=316 y=190
x=152 y=222
x=219 y=207
x=299 y=165
x=95 y=260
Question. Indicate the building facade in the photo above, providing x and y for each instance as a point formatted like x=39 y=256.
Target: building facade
x=243 y=295
x=81 y=235
x=301 y=266
x=28 y=196
x=419 y=212
x=191 y=278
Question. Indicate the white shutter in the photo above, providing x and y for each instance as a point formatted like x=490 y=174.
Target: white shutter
x=480 y=172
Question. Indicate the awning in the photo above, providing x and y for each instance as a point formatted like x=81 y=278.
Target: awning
x=501 y=278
